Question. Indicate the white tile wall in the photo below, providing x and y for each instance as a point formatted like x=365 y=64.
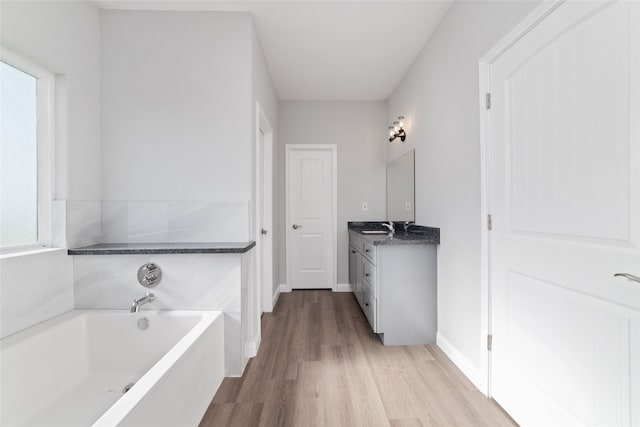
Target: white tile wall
x=217 y=222
x=59 y=223
x=83 y=223
x=75 y=223
x=233 y=356
x=175 y=221
x=115 y=222
x=36 y=286
x=189 y=282
x=147 y=222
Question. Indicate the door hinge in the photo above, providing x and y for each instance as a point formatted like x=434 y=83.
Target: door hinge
x=487 y=101
x=489 y=342
x=489 y=222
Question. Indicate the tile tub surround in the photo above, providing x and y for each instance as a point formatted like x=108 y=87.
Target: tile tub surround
x=75 y=223
x=203 y=281
x=164 y=248
x=34 y=286
x=174 y=221
x=417 y=235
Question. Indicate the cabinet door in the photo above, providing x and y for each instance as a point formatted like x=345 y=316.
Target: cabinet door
x=354 y=272
x=368 y=275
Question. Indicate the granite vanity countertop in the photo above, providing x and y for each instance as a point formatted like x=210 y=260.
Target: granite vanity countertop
x=417 y=234
x=163 y=248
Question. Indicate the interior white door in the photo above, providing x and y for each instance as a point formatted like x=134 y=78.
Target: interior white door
x=310 y=217
x=564 y=194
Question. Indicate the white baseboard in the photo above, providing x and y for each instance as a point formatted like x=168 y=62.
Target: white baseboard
x=468 y=369
x=282 y=288
x=342 y=287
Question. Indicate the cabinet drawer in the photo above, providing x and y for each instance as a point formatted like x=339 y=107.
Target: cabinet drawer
x=356 y=241
x=369 y=250
x=369 y=307
x=369 y=277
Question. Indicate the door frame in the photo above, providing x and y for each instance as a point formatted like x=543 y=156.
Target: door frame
x=264 y=153
x=333 y=149
x=527 y=24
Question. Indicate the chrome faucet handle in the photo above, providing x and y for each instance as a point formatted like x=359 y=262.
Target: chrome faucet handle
x=149 y=275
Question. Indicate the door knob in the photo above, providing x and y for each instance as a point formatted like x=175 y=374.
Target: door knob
x=628 y=276
x=263 y=231
x=296 y=226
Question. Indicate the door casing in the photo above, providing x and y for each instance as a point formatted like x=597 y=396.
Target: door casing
x=264 y=216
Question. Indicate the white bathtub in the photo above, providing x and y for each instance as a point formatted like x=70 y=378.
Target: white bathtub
x=71 y=370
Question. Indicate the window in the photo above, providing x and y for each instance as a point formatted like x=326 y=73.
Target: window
x=25 y=162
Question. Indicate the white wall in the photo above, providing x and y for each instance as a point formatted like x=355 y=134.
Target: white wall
x=359 y=129
x=63 y=38
x=175 y=106
x=439 y=97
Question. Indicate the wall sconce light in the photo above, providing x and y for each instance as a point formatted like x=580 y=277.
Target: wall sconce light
x=397 y=130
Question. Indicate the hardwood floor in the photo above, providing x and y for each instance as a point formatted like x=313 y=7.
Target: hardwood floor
x=319 y=364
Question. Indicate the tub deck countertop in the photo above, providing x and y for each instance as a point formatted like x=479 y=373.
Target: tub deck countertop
x=164 y=248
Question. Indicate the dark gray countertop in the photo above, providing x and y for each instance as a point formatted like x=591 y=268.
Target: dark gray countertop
x=163 y=248
x=417 y=235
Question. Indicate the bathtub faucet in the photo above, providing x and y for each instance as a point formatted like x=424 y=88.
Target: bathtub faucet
x=135 y=305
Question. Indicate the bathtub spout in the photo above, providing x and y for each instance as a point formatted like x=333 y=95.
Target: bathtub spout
x=135 y=305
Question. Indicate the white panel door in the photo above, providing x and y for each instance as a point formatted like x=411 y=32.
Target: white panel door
x=310 y=217
x=564 y=193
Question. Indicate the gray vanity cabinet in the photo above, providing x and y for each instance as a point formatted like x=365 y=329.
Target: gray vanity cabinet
x=395 y=285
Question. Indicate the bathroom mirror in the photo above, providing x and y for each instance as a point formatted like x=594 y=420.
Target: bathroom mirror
x=401 y=188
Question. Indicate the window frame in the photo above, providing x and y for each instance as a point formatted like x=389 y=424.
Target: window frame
x=45 y=146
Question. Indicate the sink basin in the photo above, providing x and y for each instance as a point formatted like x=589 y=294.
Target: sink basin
x=374 y=232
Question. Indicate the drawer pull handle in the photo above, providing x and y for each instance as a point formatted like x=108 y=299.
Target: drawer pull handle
x=367 y=274
x=367 y=250
x=367 y=304
x=353 y=252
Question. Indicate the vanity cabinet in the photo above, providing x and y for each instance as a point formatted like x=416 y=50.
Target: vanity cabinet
x=394 y=281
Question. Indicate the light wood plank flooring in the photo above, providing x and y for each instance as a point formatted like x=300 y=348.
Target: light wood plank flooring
x=319 y=364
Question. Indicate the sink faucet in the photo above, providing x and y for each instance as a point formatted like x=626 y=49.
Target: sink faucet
x=135 y=305
x=389 y=226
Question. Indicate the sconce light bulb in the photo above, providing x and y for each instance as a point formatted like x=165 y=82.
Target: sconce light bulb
x=397 y=130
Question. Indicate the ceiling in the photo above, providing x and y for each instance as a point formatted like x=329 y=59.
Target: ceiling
x=328 y=50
